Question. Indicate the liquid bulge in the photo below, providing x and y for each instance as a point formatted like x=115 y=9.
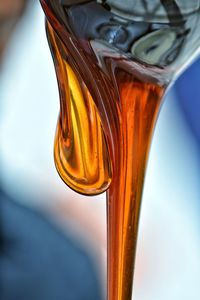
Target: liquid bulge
x=81 y=153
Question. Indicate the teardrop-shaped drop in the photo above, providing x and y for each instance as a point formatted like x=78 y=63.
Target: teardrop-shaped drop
x=81 y=152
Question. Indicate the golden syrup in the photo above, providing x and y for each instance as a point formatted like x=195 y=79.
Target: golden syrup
x=112 y=73
x=80 y=125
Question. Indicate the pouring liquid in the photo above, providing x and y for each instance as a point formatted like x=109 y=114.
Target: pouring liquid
x=109 y=105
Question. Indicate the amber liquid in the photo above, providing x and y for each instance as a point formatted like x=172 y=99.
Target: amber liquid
x=109 y=106
x=104 y=145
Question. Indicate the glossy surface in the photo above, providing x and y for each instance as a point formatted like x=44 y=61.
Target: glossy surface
x=140 y=103
x=81 y=153
x=120 y=67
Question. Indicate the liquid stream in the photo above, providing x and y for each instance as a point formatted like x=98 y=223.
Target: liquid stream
x=111 y=85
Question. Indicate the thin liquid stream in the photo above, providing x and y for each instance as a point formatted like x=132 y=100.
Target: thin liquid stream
x=140 y=105
x=109 y=106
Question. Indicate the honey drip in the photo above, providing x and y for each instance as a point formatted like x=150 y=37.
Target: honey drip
x=81 y=153
x=113 y=63
x=112 y=72
x=135 y=108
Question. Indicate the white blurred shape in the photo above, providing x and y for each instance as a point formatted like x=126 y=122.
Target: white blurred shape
x=29 y=111
x=168 y=260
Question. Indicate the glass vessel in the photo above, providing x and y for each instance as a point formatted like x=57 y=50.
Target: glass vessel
x=114 y=61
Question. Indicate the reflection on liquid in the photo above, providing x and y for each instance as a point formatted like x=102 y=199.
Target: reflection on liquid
x=167 y=42
x=121 y=64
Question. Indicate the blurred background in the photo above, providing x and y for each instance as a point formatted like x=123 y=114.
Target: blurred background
x=52 y=240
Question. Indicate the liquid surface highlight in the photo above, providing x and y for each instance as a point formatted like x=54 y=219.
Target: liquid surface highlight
x=112 y=73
